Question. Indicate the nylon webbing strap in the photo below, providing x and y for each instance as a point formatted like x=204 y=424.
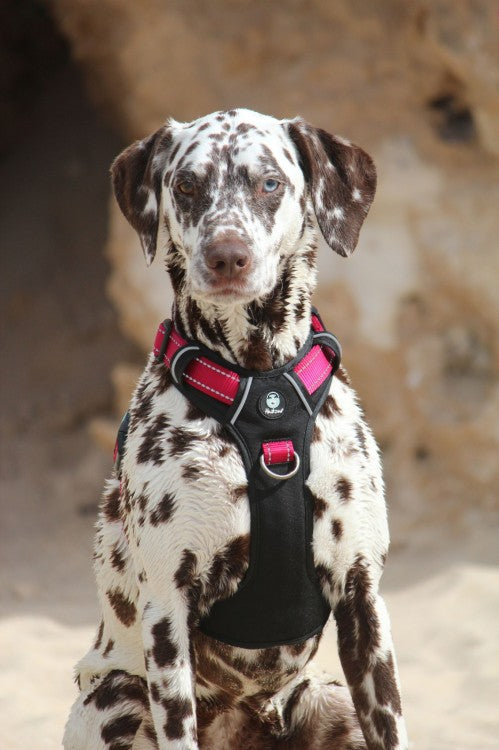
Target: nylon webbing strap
x=222 y=383
x=210 y=378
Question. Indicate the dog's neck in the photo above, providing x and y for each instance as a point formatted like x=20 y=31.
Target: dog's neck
x=259 y=335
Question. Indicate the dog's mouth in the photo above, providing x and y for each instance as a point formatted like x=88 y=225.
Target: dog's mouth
x=234 y=291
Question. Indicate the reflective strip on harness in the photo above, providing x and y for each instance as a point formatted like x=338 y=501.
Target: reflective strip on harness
x=207 y=376
x=222 y=383
x=278 y=452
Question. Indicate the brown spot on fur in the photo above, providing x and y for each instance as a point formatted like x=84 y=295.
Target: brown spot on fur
x=154 y=691
x=320 y=506
x=181 y=440
x=109 y=647
x=163 y=376
x=317 y=434
x=385 y=686
x=325 y=577
x=116 y=730
x=338 y=732
x=357 y=622
x=177 y=710
x=142 y=411
x=116 y=687
x=256 y=355
x=293 y=701
x=100 y=633
x=164 y=650
x=191 y=473
x=343 y=375
x=194 y=412
x=117 y=560
x=151 y=448
x=361 y=700
x=124 y=609
x=362 y=439
x=330 y=407
x=163 y=511
x=186 y=570
x=111 y=505
x=386 y=727
x=227 y=565
x=215 y=673
x=209 y=708
x=344 y=489
x=295 y=649
x=337 y=528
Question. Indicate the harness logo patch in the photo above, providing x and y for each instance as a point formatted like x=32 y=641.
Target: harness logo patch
x=271 y=405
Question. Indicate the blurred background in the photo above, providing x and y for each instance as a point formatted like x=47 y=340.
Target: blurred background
x=417 y=307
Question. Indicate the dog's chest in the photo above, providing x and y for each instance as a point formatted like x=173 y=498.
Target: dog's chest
x=185 y=487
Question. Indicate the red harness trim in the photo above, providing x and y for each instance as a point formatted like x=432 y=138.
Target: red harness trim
x=221 y=383
x=278 y=452
x=207 y=376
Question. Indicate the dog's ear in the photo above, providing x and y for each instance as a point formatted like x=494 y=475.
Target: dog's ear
x=342 y=181
x=136 y=176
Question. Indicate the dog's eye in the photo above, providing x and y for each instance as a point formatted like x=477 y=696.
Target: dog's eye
x=270 y=185
x=185 y=187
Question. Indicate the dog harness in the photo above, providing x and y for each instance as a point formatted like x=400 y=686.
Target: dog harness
x=271 y=416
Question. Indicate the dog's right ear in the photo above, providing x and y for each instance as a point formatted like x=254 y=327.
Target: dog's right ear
x=136 y=176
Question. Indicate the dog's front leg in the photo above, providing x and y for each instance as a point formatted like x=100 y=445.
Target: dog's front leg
x=170 y=672
x=368 y=660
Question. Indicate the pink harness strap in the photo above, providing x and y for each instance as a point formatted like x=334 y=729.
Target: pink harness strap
x=278 y=452
x=221 y=383
x=207 y=376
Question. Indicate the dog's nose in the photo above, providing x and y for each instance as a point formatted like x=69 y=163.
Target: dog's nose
x=227 y=258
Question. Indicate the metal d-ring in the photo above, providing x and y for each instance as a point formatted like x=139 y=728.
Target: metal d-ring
x=280 y=476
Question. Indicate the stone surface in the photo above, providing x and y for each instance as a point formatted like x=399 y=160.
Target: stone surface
x=416 y=307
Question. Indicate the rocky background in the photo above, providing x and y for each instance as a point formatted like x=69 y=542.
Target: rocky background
x=416 y=308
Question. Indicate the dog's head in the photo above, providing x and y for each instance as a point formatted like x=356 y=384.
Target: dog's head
x=230 y=197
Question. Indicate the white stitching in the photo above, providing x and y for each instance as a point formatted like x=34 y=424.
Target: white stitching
x=279 y=443
x=189 y=377
x=175 y=340
x=307 y=364
x=231 y=375
x=319 y=377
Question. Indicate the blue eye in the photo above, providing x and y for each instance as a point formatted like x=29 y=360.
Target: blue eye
x=270 y=185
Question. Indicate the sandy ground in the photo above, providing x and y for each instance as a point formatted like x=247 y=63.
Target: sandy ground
x=59 y=340
x=444 y=625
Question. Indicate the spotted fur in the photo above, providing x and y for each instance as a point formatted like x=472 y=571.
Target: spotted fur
x=235 y=201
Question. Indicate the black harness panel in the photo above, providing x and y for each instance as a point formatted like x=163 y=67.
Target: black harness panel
x=279 y=601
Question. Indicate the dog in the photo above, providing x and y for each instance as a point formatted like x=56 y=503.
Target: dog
x=237 y=201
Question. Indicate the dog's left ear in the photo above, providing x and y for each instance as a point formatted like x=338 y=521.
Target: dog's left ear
x=342 y=181
x=136 y=176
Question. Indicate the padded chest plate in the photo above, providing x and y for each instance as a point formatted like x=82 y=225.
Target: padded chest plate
x=279 y=601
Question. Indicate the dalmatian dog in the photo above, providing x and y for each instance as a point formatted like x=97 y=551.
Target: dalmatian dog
x=236 y=201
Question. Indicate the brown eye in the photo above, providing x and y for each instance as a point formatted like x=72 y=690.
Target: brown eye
x=185 y=187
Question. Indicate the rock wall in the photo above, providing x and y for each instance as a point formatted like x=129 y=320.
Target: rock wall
x=416 y=84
